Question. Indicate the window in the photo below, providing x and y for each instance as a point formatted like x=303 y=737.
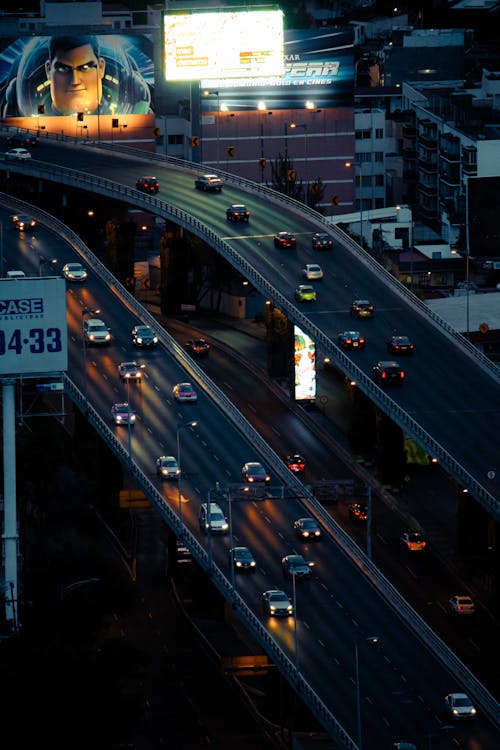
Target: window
x=176 y=139
x=379 y=180
x=364 y=157
x=363 y=135
x=379 y=132
x=379 y=156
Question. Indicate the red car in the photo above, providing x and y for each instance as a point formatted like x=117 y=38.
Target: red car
x=285 y=239
x=295 y=463
x=147 y=184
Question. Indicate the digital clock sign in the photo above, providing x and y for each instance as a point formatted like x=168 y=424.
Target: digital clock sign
x=33 y=329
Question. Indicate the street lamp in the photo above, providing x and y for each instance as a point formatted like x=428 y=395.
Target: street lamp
x=295 y=635
x=85 y=312
x=42 y=261
x=370 y=639
x=261 y=106
x=179 y=493
x=306 y=177
x=359 y=164
x=215 y=93
x=1 y=250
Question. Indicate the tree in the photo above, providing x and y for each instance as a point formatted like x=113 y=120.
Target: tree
x=281 y=168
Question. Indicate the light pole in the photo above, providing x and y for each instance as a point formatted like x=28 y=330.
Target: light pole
x=370 y=639
x=467 y=253
x=42 y=261
x=306 y=176
x=215 y=93
x=86 y=312
x=359 y=164
x=180 y=426
x=295 y=634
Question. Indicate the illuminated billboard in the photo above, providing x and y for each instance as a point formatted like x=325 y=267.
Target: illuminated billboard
x=76 y=73
x=318 y=67
x=33 y=329
x=304 y=350
x=237 y=44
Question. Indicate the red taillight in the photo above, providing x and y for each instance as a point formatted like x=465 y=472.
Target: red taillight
x=384 y=375
x=361 y=341
x=401 y=374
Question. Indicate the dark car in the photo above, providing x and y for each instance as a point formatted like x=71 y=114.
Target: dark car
x=351 y=340
x=307 y=529
x=242 y=559
x=358 y=512
x=295 y=463
x=198 y=347
x=24 y=140
x=388 y=373
x=253 y=471
x=321 y=241
x=238 y=213
x=144 y=336
x=295 y=566
x=400 y=345
x=23 y=223
x=285 y=239
x=130 y=371
x=147 y=184
x=209 y=183
x=362 y=308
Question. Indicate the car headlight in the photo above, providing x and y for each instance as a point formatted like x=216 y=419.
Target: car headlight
x=252 y=564
x=225 y=526
x=272 y=608
x=238 y=564
x=473 y=711
x=455 y=712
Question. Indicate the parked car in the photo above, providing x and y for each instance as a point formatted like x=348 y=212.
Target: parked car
x=123 y=414
x=351 y=340
x=184 y=392
x=74 y=272
x=167 y=467
x=238 y=213
x=277 y=603
x=144 y=336
x=208 y=182
x=285 y=239
x=400 y=345
x=362 y=308
x=147 y=184
x=321 y=241
x=388 y=373
x=461 y=605
x=460 y=706
x=312 y=272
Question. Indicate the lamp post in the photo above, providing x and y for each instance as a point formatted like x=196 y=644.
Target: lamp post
x=467 y=255
x=295 y=634
x=359 y=164
x=42 y=261
x=306 y=176
x=370 y=639
x=215 y=93
x=86 y=312
x=179 y=493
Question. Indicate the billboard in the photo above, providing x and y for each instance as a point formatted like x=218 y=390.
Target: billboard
x=33 y=329
x=304 y=350
x=76 y=73
x=318 y=67
x=234 y=44
x=483 y=223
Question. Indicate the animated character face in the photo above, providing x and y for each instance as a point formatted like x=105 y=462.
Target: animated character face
x=76 y=79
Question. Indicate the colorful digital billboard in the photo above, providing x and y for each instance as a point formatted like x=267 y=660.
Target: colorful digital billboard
x=304 y=366
x=76 y=73
x=318 y=67
x=235 y=44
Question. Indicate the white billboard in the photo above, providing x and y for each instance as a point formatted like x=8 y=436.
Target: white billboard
x=304 y=366
x=237 y=44
x=33 y=329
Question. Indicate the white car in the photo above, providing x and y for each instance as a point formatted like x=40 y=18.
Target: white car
x=74 y=272
x=130 y=371
x=96 y=331
x=277 y=603
x=312 y=272
x=184 y=392
x=167 y=467
x=123 y=414
x=15 y=154
x=460 y=706
x=461 y=605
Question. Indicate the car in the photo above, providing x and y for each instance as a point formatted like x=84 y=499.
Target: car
x=400 y=345
x=167 y=467
x=17 y=154
x=209 y=183
x=362 y=308
x=413 y=541
x=312 y=272
x=123 y=414
x=295 y=463
x=24 y=140
x=461 y=605
x=388 y=373
x=23 y=222
x=96 y=332
x=277 y=603
x=305 y=293
x=130 y=372
x=254 y=472
x=147 y=184
x=184 y=392
x=14 y=274
x=238 y=213
x=198 y=347
x=351 y=340
x=307 y=529
x=460 y=706
x=285 y=239
x=321 y=241
x=294 y=566
x=358 y=512
x=144 y=336
x=74 y=272
x=212 y=519
x=242 y=559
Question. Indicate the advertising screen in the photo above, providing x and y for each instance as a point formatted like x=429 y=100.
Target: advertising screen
x=304 y=366
x=318 y=66
x=235 y=44
x=65 y=75
x=483 y=224
x=33 y=330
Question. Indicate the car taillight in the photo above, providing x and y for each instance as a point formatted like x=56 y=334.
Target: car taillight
x=361 y=341
x=384 y=375
x=401 y=374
